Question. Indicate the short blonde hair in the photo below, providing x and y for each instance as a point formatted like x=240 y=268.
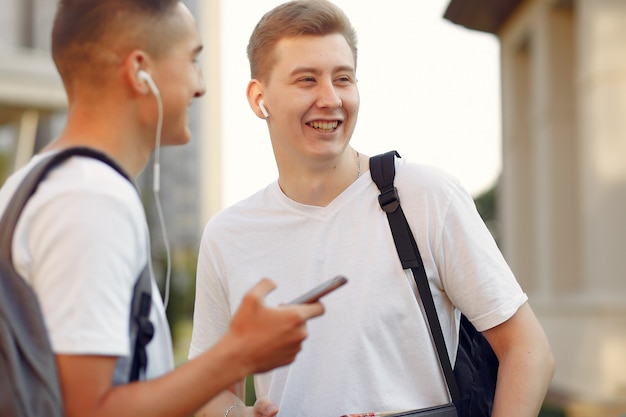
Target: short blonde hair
x=292 y=19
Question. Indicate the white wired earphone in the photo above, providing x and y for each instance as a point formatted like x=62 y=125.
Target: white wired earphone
x=156 y=184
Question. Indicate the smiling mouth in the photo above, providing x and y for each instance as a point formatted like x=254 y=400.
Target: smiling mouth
x=324 y=126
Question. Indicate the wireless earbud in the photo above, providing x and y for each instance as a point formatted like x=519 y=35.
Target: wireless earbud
x=144 y=76
x=263 y=109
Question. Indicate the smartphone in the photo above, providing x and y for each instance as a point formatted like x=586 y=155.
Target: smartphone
x=320 y=291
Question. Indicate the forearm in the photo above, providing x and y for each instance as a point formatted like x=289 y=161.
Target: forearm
x=523 y=380
x=259 y=339
x=196 y=384
x=526 y=365
x=179 y=393
x=218 y=405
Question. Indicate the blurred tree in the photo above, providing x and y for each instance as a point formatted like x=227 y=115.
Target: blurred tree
x=487 y=206
x=5 y=167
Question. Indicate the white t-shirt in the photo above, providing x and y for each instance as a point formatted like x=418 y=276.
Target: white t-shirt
x=371 y=351
x=82 y=242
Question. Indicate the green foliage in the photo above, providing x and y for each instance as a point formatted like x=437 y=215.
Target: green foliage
x=182 y=285
x=551 y=411
x=5 y=167
x=181 y=297
x=487 y=206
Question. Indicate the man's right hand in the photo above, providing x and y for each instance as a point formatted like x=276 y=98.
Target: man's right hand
x=271 y=336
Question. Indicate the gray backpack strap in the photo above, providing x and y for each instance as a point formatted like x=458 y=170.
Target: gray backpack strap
x=28 y=372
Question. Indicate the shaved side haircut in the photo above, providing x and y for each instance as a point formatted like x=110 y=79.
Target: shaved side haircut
x=90 y=35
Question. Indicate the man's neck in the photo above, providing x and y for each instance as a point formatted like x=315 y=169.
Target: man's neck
x=321 y=187
x=111 y=134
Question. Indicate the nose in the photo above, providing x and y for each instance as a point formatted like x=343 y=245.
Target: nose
x=328 y=96
x=201 y=89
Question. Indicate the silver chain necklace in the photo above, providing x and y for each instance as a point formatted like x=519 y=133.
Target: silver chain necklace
x=358 y=165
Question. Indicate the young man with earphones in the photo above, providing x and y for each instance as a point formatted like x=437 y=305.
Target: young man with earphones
x=321 y=217
x=130 y=72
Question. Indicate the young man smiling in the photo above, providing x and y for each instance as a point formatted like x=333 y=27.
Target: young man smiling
x=321 y=218
x=313 y=107
x=81 y=241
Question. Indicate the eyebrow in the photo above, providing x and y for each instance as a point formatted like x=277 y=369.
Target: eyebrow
x=198 y=49
x=316 y=71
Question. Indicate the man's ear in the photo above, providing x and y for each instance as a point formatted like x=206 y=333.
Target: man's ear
x=254 y=92
x=136 y=62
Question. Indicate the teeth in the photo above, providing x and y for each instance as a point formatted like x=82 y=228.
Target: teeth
x=324 y=126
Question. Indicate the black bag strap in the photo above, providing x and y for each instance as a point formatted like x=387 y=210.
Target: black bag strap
x=142 y=329
x=383 y=171
x=140 y=310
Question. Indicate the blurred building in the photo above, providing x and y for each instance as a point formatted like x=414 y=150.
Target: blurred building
x=563 y=187
x=31 y=94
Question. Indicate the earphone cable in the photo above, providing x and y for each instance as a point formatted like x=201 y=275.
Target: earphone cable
x=156 y=185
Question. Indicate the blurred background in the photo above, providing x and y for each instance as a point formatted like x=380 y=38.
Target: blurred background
x=523 y=100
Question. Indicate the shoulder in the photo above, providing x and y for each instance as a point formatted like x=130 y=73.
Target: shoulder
x=427 y=181
x=78 y=200
x=248 y=209
x=83 y=232
x=86 y=181
x=76 y=177
x=90 y=174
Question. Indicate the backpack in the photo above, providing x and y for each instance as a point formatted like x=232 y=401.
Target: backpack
x=472 y=383
x=28 y=375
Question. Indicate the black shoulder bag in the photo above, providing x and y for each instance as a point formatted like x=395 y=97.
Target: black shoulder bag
x=28 y=372
x=472 y=384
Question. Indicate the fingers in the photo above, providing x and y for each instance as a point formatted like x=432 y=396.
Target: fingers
x=263 y=407
x=253 y=300
x=270 y=336
x=266 y=286
x=262 y=288
x=308 y=311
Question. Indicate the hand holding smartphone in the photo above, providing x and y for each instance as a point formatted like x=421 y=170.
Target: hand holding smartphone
x=320 y=291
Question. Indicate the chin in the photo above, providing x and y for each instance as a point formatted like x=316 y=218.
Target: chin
x=184 y=140
x=181 y=139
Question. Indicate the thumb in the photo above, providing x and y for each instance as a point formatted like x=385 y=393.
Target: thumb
x=264 y=407
x=262 y=288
